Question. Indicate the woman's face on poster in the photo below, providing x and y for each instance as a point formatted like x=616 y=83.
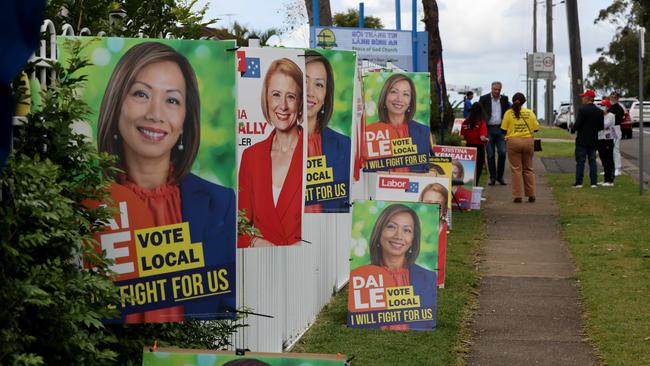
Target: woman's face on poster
x=399 y=97
x=153 y=112
x=316 y=87
x=397 y=236
x=456 y=173
x=436 y=197
x=283 y=101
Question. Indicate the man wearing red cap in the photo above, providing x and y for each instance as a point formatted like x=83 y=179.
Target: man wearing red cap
x=606 y=143
x=589 y=121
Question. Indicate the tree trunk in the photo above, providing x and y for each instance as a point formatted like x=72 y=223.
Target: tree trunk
x=324 y=12
x=431 y=19
x=575 y=52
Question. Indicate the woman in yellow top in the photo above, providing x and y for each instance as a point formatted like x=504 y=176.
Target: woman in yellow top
x=519 y=124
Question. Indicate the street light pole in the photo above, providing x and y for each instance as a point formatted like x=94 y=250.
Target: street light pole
x=548 y=113
x=641 y=137
x=534 y=51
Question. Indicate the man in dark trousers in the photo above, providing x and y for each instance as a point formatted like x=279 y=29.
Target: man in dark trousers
x=589 y=121
x=495 y=106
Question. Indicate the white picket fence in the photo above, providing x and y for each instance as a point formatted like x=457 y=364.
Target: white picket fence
x=289 y=285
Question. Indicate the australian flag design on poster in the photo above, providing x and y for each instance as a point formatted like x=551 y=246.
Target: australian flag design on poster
x=413 y=187
x=252 y=67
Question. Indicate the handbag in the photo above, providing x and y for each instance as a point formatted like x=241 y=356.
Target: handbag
x=537 y=143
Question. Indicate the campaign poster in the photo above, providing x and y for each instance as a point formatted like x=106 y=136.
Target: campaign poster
x=463 y=164
x=457 y=126
x=330 y=79
x=194 y=357
x=166 y=110
x=440 y=166
x=412 y=187
x=272 y=144
x=393 y=265
x=397 y=121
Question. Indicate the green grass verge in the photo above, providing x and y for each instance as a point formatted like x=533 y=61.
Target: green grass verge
x=547 y=132
x=552 y=149
x=608 y=234
x=447 y=345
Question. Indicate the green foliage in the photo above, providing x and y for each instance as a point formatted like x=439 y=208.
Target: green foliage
x=51 y=308
x=618 y=68
x=350 y=18
x=154 y=18
x=241 y=34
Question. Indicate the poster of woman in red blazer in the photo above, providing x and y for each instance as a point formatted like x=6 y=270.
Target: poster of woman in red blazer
x=271 y=188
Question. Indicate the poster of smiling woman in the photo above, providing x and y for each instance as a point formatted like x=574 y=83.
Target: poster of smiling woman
x=166 y=110
x=397 y=121
x=393 y=266
x=330 y=78
x=196 y=357
x=272 y=144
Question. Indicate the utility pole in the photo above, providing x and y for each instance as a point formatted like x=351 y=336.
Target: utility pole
x=548 y=110
x=575 y=51
x=534 y=51
x=641 y=79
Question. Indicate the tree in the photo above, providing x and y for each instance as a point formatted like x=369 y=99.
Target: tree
x=350 y=18
x=431 y=19
x=617 y=68
x=324 y=12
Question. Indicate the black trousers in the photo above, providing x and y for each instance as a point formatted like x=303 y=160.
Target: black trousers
x=480 y=161
x=606 y=153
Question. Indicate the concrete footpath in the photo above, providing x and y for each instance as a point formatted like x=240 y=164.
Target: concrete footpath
x=529 y=307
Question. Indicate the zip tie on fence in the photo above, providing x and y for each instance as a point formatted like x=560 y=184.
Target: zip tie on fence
x=241 y=351
x=252 y=313
x=233 y=49
x=306 y=241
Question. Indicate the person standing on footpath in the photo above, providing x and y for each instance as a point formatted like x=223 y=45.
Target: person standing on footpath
x=467 y=103
x=589 y=121
x=519 y=124
x=606 y=144
x=474 y=131
x=495 y=106
x=619 y=113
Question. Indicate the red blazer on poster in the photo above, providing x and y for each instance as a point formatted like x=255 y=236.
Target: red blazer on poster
x=280 y=225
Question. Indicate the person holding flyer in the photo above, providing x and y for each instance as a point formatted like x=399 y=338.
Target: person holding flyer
x=395 y=246
x=150 y=119
x=397 y=102
x=270 y=174
x=322 y=140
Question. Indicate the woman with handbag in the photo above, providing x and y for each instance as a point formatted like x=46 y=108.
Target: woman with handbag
x=519 y=123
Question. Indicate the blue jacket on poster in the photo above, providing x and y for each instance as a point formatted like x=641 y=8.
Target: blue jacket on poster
x=419 y=134
x=336 y=148
x=425 y=285
x=211 y=210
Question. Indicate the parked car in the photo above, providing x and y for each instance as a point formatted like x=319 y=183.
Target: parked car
x=627 y=102
x=626 y=127
x=563 y=114
x=634 y=112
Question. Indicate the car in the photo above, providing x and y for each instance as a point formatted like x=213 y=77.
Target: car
x=634 y=112
x=627 y=102
x=626 y=127
x=563 y=114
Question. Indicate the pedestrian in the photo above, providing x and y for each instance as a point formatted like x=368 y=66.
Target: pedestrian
x=474 y=131
x=619 y=114
x=606 y=143
x=467 y=103
x=494 y=107
x=519 y=124
x=589 y=121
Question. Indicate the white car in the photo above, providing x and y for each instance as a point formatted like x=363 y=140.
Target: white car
x=564 y=113
x=634 y=112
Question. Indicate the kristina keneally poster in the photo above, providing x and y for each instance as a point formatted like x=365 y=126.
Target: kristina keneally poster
x=463 y=167
x=397 y=121
x=272 y=144
x=166 y=109
x=393 y=267
x=193 y=357
x=330 y=105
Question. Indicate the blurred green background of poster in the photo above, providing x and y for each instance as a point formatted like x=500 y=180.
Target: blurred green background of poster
x=207 y=359
x=215 y=71
x=374 y=81
x=364 y=216
x=344 y=64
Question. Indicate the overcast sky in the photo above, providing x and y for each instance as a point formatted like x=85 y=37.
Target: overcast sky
x=482 y=40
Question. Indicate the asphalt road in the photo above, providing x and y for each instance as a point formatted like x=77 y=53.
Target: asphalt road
x=630 y=149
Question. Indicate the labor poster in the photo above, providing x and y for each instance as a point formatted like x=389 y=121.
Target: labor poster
x=463 y=165
x=393 y=265
x=272 y=136
x=397 y=121
x=413 y=187
x=194 y=357
x=166 y=110
x=330 y=78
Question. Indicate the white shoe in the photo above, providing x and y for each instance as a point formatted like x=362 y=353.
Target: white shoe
x=601 y=183
x=576 y=186
x=594 y=186
x=617 y=173
x=602 y=173
x=608 y=184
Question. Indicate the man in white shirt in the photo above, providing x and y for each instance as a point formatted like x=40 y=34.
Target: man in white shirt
x=495 y=106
